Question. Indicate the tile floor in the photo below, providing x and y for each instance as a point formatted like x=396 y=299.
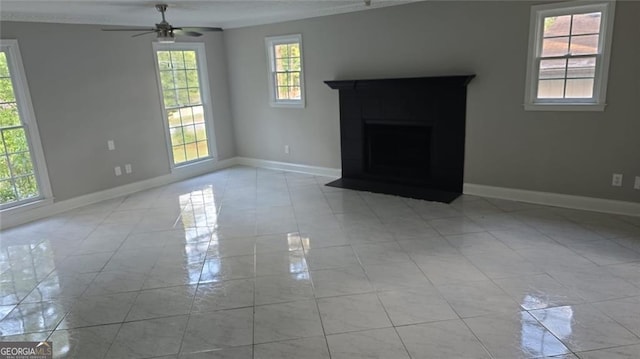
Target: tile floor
x=251 y=263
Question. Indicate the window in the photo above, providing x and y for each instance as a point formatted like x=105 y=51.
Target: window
x=185 y=96
x=286 y=78
x=569 y=49
x=23 y=176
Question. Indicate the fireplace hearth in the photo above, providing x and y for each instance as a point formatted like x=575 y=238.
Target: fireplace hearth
x=403 y=136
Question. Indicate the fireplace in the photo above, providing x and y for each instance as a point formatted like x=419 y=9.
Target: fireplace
x=397 y=150
x=403 y=136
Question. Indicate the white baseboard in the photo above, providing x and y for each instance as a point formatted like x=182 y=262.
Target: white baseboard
x=555 y=199
x=14 y=218
x=290 y=167
x=46 y=209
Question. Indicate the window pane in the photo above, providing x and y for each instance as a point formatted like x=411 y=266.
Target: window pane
x=295 y=64
x=294 y=79
x=177 y=61
x=26 y=187
x=586 y=23
x=187 y=116
x=7 y=192
x=294 y=93
x=294 y=50
x=6 y=90
x=579 y=88
x=17 y=173
x=555 y=46
x=203 y=149
x=557 y=25
x=192 y=78
x=180 y=78
x=174 y=118
x=4 y=67
x=4 y=168
x=283 y=92
x=282 y=65
x=166 y=78
x=282 y=79
x=170 y=99
x=552 y=69
x=201 y=132
x=189 y=134
x=198 y=114
x=164 y=60
x=183 y=102
x=584 y=45
x=550 y=88
x=192 y=151
x=281 y=51
x=190 y=61
x=178 y=154
x=194 y=96
x=582 y=67
x=15 y=140
x=176 y=136
x=9 y=115
x=21 y=164
x=183 y=96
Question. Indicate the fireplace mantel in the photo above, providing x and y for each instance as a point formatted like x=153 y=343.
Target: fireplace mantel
x=403 y=136
x=404 y=83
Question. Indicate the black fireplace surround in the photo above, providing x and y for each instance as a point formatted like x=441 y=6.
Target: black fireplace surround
x=403 y=136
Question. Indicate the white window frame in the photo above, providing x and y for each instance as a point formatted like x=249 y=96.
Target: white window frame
x=538 y=13
x=203 y=78
x=28 y=118
x=270 y=43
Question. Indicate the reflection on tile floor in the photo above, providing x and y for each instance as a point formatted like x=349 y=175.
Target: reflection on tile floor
x=252 y=263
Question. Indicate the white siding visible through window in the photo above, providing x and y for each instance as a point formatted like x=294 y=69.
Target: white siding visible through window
x=569 y=52
x=286 y=76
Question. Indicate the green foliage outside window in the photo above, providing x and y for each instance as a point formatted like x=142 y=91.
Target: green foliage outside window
x=17 y=179
x=183 y=104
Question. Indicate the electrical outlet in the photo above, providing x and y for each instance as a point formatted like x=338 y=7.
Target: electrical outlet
x=118 y=171
x=286 y=149
x=111 y=145
x=617 y=180
x=636 y=185
x=127 y=168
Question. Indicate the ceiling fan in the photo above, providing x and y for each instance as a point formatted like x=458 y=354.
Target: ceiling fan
x=166 y=32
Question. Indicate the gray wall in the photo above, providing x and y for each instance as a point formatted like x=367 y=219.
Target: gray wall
x=90 y=86
x=572 y=153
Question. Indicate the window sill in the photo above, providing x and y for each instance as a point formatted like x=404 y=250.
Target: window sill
x=189 y=166
x=288 y=104
x=26 y=206
x=564 y=107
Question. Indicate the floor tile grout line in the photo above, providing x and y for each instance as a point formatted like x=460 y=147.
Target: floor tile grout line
x=313 y=290
x=255 y=275
x=377 y=291
x=68 y=312
x=101 y=271
x=565 y=344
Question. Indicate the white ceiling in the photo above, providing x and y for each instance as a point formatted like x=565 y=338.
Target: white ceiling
x=225 y=14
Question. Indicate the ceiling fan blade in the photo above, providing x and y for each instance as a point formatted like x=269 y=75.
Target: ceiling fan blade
x=138 y=29
x=182 y=32
x=144 y=33
x=202 y=29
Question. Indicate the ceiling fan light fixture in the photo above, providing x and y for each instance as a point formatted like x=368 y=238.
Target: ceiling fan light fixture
x=165 y=39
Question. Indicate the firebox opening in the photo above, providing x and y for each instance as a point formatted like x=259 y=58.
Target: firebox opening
x=398 y=151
